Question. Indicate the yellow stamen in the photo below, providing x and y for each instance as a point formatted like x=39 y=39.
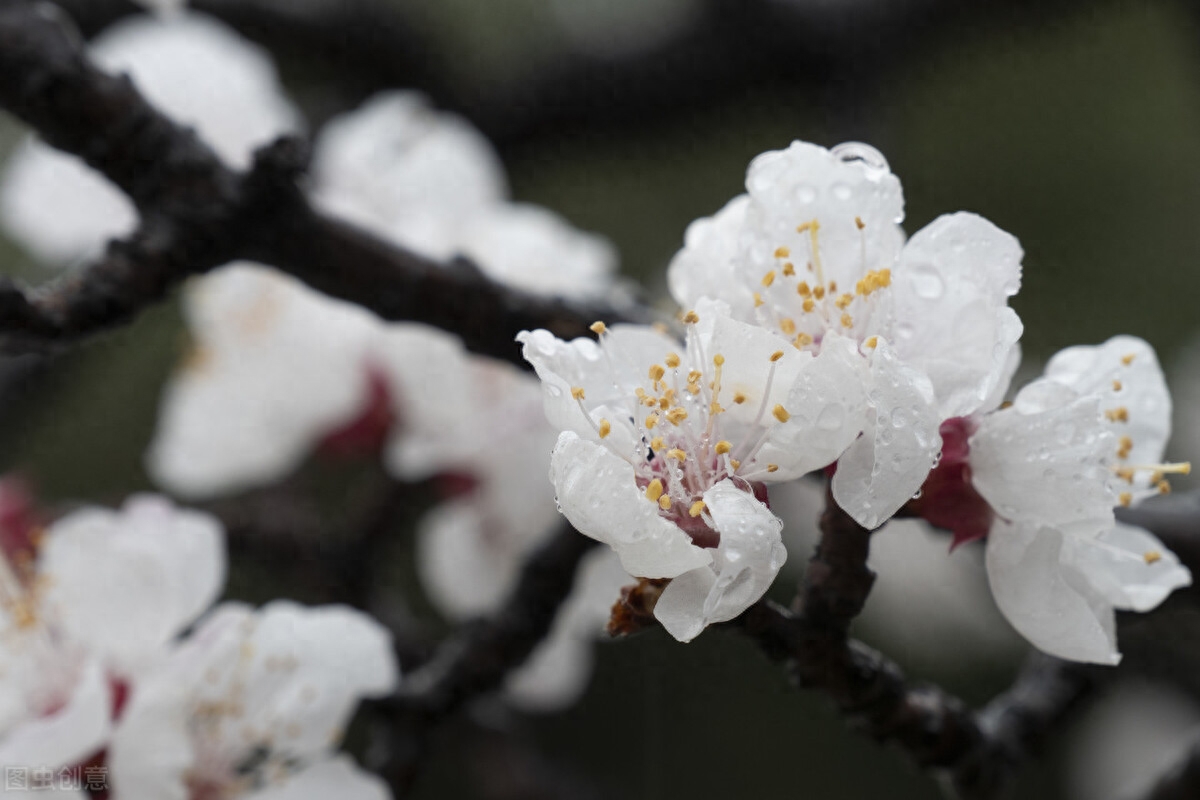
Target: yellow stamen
x=696 y=509
x=672 y=360
x=664 y=502
x=772 y=468
x=1116 y=386
x=677 y=415
x=723 y=447
x=661 y=327
x=780 y=413
x=677 y=454
x=788 y=326
x=577 y=392
x=739 y=398
x=715 y=408
x=1118 y=414
x=1163 y=487
x=1125 y=498
x=782 y=252
x=859 y=223
x=808 y=305
x=758 y=301
x=656 y=372
x=769 y=278
x=1128 y=359
x=803 y=340
x=657 y=443
x=778 y=354
x=872 y=342
x=789 y=269
x=654 y=490
x=598 y=327
x=691 y=318
x=719 y=360
x=803 y=289
x=1151 y=556
x=819 y=292
x=733 y=462
x=651 y=421
x=847 y=321
x=605 y=428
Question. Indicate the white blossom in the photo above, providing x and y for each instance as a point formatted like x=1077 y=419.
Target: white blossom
x=252 y=704
x=193 y=68
x=276 y=366
x=1086 y=436
x=814 y=249
x=662 y=448
x=87 y=613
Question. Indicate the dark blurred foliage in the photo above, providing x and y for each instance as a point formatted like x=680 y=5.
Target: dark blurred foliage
x=1076 y=126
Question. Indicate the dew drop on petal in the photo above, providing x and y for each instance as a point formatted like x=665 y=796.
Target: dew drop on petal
x=842 y=191
x=849 y=152
x=927 y=282
x=831 y=417
x=806 y=193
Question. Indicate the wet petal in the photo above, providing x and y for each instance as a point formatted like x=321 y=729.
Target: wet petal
x=708 y=264
x=1130 y=567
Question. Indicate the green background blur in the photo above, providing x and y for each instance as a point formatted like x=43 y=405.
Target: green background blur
x=1078 y=131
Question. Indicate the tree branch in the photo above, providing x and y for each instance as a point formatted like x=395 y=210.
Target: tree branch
x=198 y=214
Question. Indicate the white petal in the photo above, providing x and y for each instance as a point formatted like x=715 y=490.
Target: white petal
x=887 y=465
x=277 y=366
x=336 y=777
x=707 y=266
x=124 y=583
x=406 y=172
x=950 y=292
x=1138 y=387
x=196 y=70
x=1048 y=601
x=71 y=734
x=807 y=182
x=748 y=350
x=1041 y=462
x=748 y=558
x=1130 y=567
x=598 y=493
x=554 y=676
x=534 y=249
x=828 y=406
x=152 y=751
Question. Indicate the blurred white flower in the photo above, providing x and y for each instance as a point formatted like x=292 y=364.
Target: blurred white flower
x=815 y=250
x=1129 y=740
x=276 y=368
x=406 y=172
x=193 y=68
x=86 y=611
x=663 y=455
x=1088 y=435
x=253 y=704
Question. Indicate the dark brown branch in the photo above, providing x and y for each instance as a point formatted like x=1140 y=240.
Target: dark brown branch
x=198 y=214
x=476 y=660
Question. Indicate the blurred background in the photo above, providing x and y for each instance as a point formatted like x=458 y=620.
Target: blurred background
x=1074 y=125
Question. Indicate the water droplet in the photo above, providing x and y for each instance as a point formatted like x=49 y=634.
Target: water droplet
x=900 y=417
x=806 y=193
x=927 y=282
x=1064 y=432
x=849 y=152
x=904 y=330
x=553 y=390
x=831 y=417
x=842 y=191
x=917 y=496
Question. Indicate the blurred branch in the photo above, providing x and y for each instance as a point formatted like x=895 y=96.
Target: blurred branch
x=198 y=214
x=476 y=659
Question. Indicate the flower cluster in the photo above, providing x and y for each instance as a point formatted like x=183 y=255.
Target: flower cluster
x=836 y=343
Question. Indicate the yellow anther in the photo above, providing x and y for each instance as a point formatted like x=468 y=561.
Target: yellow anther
x=605 y=428
x=719 y=360
x=1151 y=556
x=803 y=289
x=1128 y=359
x=657 y=443
x=648 y=401
x=661 y=327
x=1118 y=414
x=1124 y=445
x=656 y=372
x=672 y=360
x=1125 y=498
x=691 y=318
x=1116 y=386
x=819 y=292
x=782 y=252
x=1156 y=476
x=723 y=447
x=843 y=302
x=664 y=403
x=677 y=454
x=804 y=227
x=733 y=462
x=769 y=278
x=872 y=342
x=715 y=408
x=654 y=490
x=758 y=301
x=772 y=468
x=788 y=326
x=859 y=223
x=781 y=413
x=598 y=327
x=664 y=502
x=789 y=269
x=651 y=421
x=693 y=388
x=739 y=398
x=803 y=340
x=1163 y=487
x=833 y=286
x=778 y=354
x=577 y=392
x=847 y=321
x=1124 y=473
x=677 y=415
x=696 y=509
x=885 y=278
x=808 y=305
